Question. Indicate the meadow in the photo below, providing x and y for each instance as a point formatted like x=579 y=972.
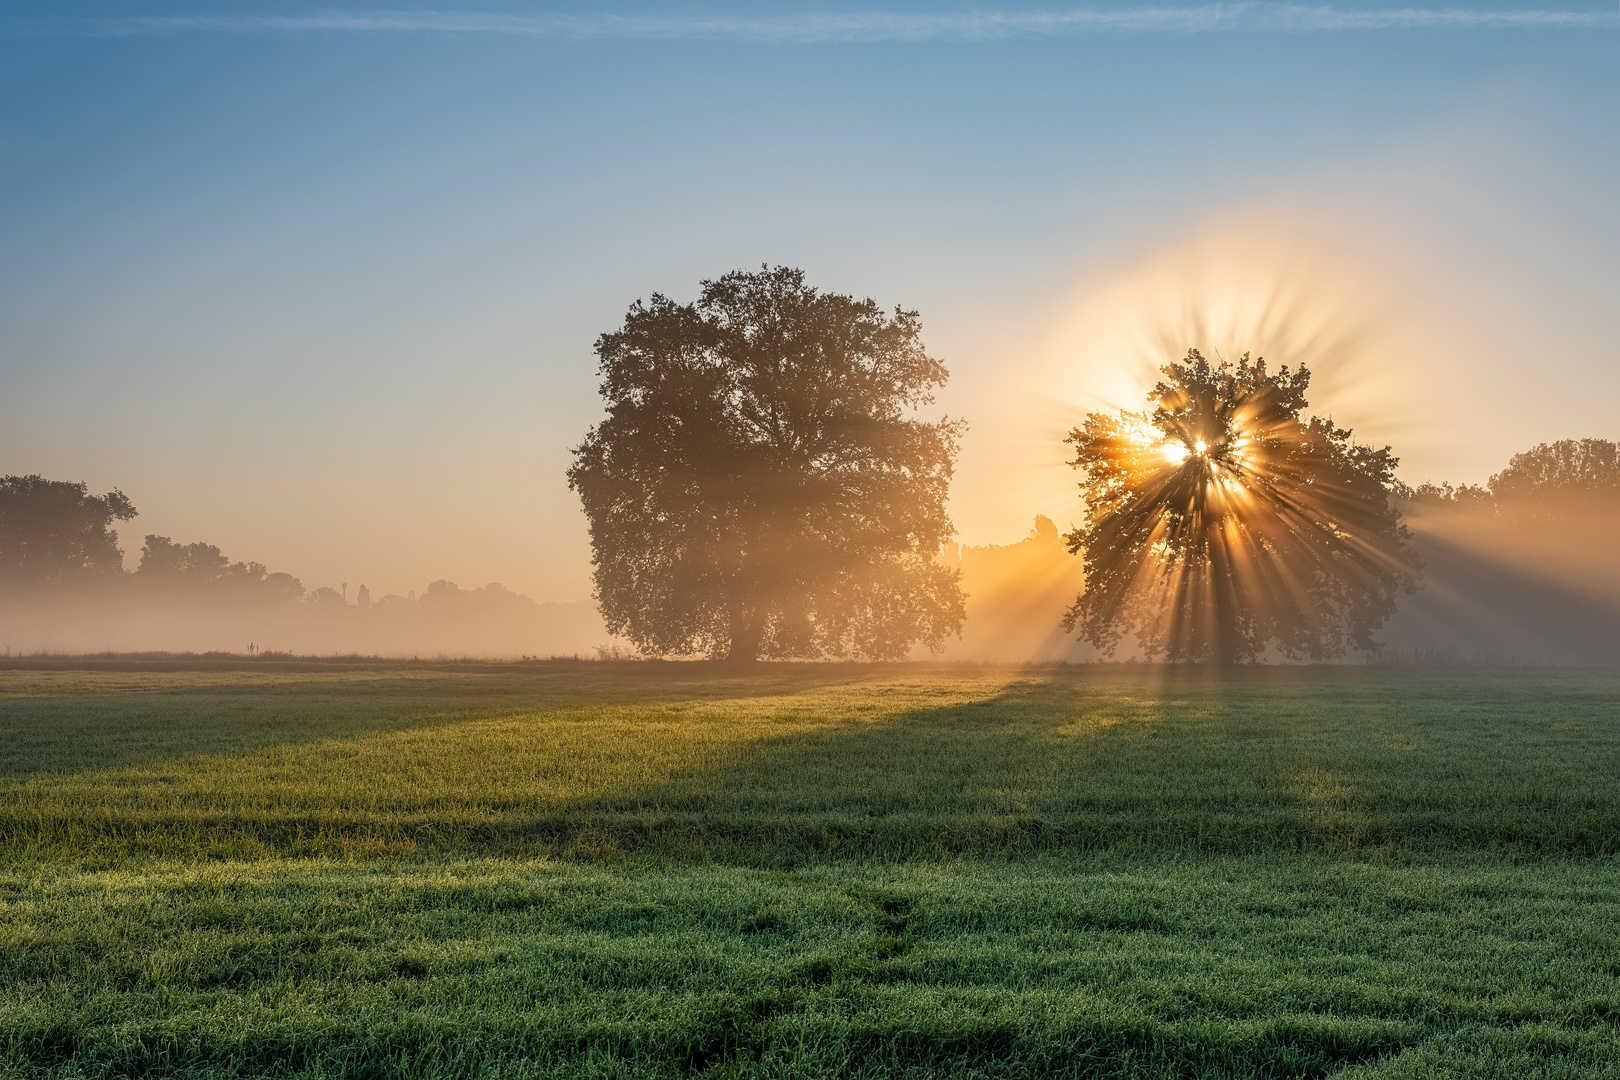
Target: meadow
x=604 y=869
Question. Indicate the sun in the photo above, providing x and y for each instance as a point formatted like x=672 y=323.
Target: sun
x=1222 y=523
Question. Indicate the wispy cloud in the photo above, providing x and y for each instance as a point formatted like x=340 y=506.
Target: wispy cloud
x=855 y=26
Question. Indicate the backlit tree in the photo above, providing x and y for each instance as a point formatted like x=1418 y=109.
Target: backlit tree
x=761 y=485
x=1570 y=479
x=1220 y=522
x=55 y=533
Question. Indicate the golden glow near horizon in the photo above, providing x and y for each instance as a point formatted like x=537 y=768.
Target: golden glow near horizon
x=1284 y=291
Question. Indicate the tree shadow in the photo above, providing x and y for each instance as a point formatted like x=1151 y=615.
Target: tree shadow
x=66 y=716
x=1505 y=609
x=1283 y=760
x=782 y=767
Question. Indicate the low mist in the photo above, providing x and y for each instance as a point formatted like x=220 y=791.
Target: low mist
x=63 y=589
x=489 y=621
x=1016 y=596
x=1528 y=579
x=1522 y=571
x=1518 y=571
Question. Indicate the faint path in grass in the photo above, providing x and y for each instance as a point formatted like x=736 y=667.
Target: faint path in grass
x=1058 y=965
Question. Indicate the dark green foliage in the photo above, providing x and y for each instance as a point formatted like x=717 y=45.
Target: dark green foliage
x=761 y=486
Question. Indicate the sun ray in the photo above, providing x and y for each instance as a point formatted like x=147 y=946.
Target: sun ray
x=1221 y=524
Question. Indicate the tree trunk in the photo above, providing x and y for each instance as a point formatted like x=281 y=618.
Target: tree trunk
x=747 y=630
x=1225 y=615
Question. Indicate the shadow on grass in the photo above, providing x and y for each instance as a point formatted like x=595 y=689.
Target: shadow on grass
x=1053 y=761
x=57 y=720
x=1277 y=762
x=1046 y=761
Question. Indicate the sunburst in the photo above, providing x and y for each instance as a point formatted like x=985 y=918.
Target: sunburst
x=1219 y=523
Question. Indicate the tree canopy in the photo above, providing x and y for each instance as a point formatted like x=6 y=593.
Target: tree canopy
x=200 y=568
x=53 y=532
x=1553 y=479
x=1566 y=481
x=761 y=485
x=1220 y=523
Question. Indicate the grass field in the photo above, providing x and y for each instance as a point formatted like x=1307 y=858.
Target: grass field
x=667 y=870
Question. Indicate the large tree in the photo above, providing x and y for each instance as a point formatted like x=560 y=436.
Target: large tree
x=54 y=533
x=762 y=485
x=1220 y=522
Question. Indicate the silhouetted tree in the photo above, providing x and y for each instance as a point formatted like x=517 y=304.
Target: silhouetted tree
x=1220 y=522
x=202 y=569
x=326 y=598
x=53 y=532
x=1466 y=498
x=161 y=557
x=759 y=486
x=1569 y=477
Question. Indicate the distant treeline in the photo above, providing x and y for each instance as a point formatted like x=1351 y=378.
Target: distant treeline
x=1016 y=596
x=1561 y=481
x=63 y=587
x=1523 y=569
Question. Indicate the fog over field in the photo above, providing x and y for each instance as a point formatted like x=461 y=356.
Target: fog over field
x=1517 y=568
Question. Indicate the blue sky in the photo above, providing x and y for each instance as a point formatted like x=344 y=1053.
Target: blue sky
x=320 y=284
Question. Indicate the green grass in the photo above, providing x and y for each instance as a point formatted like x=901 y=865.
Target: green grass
x=667 y=870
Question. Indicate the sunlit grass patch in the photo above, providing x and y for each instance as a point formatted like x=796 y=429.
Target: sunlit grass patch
x=662 y=870
x=815 y=763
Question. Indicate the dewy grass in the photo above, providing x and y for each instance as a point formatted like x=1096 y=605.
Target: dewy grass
x=1065 y=965
x=807 y=763
x=664 y=870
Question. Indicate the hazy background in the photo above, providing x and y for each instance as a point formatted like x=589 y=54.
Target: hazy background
x=326 y=297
